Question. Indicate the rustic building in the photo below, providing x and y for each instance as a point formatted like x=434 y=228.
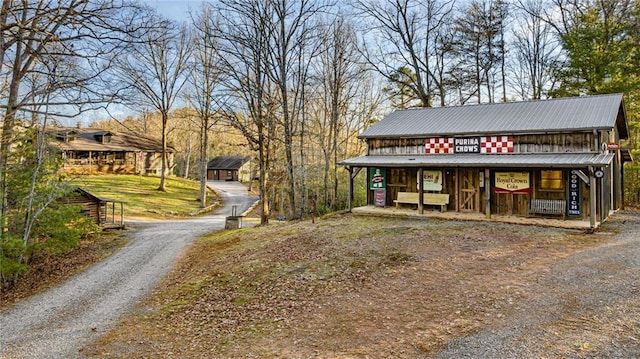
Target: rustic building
x=105 y=212
x=229 y=168
x=90 y=151
x=551 y=158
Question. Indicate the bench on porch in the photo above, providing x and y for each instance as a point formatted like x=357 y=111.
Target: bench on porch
x=433 y=199
x=548 y=206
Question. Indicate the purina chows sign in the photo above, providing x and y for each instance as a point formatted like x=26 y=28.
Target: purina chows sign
x=459 y=145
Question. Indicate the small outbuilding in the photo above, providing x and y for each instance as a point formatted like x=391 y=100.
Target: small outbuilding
x=229 y=168
x=107 y=213
x=550 y=158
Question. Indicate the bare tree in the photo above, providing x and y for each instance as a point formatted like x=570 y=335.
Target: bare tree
x=473 y=46
x=290 y=31
x=535 y=51
x=205 y=83
x=156 y=70
x=407 y=29
x=33 y=209
x=82 y=37
x=340 y=74
x=243 y=40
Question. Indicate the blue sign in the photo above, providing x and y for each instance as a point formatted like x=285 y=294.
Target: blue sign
x=574 y=204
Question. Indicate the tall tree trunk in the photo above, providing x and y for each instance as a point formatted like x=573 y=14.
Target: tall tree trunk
x=7 y=135
x=264 y=180
x=188 y=156
x=165 y=117
x=204 y=159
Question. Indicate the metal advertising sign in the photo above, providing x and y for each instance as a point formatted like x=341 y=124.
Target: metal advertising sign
x=512 y=182
x=377 y=178
x=458 y=145
x=380 y=197
x=466 y=145
x=431 y=180
x=573 y=198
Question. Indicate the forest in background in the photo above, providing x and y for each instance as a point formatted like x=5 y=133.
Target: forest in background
x=290 y=83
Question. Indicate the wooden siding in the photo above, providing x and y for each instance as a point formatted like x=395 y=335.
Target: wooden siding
x=556 y=143
x=551 y=143
x=91 y=207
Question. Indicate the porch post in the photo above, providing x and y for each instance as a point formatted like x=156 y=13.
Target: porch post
x=350 y=195
x=420 y=190
x=487 y=193
x=353 y=173
x=620 y=189
x=457 y=190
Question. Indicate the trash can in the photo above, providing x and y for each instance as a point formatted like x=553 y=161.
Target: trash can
x=233 y=222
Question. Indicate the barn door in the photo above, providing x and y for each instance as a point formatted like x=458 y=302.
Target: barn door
x=469 y=190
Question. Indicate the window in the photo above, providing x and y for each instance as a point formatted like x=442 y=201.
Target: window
x=551 y=180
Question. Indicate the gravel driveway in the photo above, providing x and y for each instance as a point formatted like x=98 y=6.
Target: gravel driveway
x=60 y=321
x=585 y=307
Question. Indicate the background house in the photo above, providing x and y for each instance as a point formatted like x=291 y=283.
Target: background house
x=229 y=168
x=89 y=150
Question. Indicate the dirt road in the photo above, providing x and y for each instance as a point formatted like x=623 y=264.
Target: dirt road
x=60 y=321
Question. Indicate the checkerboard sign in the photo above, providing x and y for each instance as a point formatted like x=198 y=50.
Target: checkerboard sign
x=437 y=145
x=496 y=144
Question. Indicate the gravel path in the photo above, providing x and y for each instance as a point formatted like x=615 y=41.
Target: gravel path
x=60 y=321
x=585 y=307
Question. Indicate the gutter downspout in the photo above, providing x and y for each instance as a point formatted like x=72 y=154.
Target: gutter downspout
x=350 y=195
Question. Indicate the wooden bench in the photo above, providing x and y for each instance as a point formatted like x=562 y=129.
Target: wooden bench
x=548 y=206
x=433 y=199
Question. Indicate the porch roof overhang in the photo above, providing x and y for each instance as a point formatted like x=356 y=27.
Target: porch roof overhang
x=554 y=160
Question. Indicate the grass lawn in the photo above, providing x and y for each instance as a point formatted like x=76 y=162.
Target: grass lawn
x=141 y=196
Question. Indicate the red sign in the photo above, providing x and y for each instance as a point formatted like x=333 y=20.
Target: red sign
x=613 y=146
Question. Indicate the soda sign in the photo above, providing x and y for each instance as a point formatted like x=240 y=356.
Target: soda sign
x=512 y=182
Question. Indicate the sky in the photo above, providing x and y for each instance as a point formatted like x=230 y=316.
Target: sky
x=174 y=9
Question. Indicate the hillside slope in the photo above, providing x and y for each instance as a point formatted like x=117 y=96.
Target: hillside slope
x=380 y=287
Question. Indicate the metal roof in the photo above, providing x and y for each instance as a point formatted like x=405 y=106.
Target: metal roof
x=555 y=115
x=227 y=162
x=551 y=160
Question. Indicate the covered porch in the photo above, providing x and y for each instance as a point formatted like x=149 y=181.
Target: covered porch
x=471 y=181
x=581 y=225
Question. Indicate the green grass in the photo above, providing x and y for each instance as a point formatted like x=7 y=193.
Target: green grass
x=141 y=196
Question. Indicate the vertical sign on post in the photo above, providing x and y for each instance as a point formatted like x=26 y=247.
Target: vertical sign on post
x=573 y=199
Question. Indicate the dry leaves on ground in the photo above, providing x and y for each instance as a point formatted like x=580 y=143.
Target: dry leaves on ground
x=346 y=286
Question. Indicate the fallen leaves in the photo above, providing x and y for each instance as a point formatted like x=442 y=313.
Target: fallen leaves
x=345 y=287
